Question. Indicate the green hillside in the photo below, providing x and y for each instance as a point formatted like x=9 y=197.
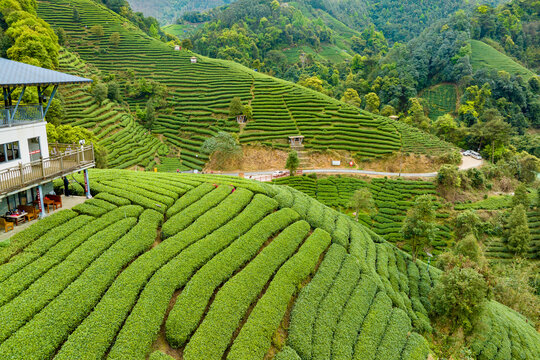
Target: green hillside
x=127 y=142
x=484 y=56
x=199 y=95
x=393 y=198
x=219 y=267
x=440 y=99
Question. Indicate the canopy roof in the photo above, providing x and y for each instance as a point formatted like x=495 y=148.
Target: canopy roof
x=13 y=73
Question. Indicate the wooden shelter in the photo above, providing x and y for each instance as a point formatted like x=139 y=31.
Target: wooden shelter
x=296 y=140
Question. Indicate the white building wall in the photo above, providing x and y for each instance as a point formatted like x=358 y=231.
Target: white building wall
x=22 y=133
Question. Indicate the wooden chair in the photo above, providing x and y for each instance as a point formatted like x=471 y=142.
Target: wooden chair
x=6 y=224
x=31 y=212
x=57 y=199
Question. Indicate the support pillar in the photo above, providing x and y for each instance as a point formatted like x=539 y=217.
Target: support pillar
x=87 y=184
x=41 y=205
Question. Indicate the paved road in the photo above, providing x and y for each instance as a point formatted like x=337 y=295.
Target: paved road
x=467 y=163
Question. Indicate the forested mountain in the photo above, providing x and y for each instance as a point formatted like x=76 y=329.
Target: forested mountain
x=253 y=31
x=399 y=20
x=167 y=11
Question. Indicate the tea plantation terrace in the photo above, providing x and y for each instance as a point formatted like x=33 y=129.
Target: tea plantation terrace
x=199 y=96
x=219 y=267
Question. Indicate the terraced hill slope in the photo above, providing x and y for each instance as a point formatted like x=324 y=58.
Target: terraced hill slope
x=209 y=267
x=484 y=56
x=127 y=142
x=393 y=198
x=199 y=94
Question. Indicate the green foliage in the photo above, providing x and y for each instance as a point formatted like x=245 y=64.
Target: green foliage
x=468 y=247
x=115 y=38
x=33 y=41
x=214 y=333
x=254 y=339
x=99 y=92
x=441 y=101
x=21 y=240
x=97 y=30
x=517 y=234
x=223 y=146
x=419 y=228
x=448 y=177
x=521 y=196
x=467 y=222
x=236 y=107
x=292 y=162
x=362 y=201
x=459 y=297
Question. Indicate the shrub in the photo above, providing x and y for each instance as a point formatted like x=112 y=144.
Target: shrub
x=255 y=337
x=459 y=297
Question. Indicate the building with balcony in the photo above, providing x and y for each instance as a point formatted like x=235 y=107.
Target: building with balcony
x=28 y=163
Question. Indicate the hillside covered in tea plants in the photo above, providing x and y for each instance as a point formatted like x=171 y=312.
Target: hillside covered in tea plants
x=189 y=102
x=211 y=267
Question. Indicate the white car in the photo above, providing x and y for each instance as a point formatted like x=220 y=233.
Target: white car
x=278 y=173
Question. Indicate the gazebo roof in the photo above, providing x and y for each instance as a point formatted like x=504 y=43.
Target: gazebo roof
x=296 y=137
x=19 y=74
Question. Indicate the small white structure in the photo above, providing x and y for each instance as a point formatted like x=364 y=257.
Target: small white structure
x=193 y=60
x=241 y=119
x=296 y=140
x=177 y=47
x=394 y=117
x=336 y=163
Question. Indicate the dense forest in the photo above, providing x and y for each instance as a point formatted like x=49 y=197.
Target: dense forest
x=249 y=31
x=398 y=20
x=168 y=11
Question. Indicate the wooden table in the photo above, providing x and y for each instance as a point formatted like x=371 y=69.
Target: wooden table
x=17 y=219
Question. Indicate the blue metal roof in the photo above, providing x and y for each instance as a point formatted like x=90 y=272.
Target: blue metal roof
x=13 y=73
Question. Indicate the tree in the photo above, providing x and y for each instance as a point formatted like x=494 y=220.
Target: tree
x=223 y=147
x=97 y=30
x=419 y=228
x=467 y=222
x=493 y=129
x=186 y=44
x=292 y=162
x=248 y=112
x=150 y=115
x=61 y=33
x=113 y=91
x=521 y=196
x=99 y=91
x=351 y=97
x=372 y=103
x=115 y=38
x=517 y=234
x=448 y=178
x=459 y=296
x=67 y=134
x=362 y=200
x=312 y=83
x=417 y=117
x=236 y=108
x=468 y=247
x=76 y=16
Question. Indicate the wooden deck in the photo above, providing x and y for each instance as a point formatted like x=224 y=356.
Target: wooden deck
x=71 y=159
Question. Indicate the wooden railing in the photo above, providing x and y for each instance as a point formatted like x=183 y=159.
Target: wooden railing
x=73 y=158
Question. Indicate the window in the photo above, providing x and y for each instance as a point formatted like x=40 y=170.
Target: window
x=34 y=149
x=9 y=152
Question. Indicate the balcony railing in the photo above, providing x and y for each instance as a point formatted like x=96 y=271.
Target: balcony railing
x=24 y=114
x=71 y=159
